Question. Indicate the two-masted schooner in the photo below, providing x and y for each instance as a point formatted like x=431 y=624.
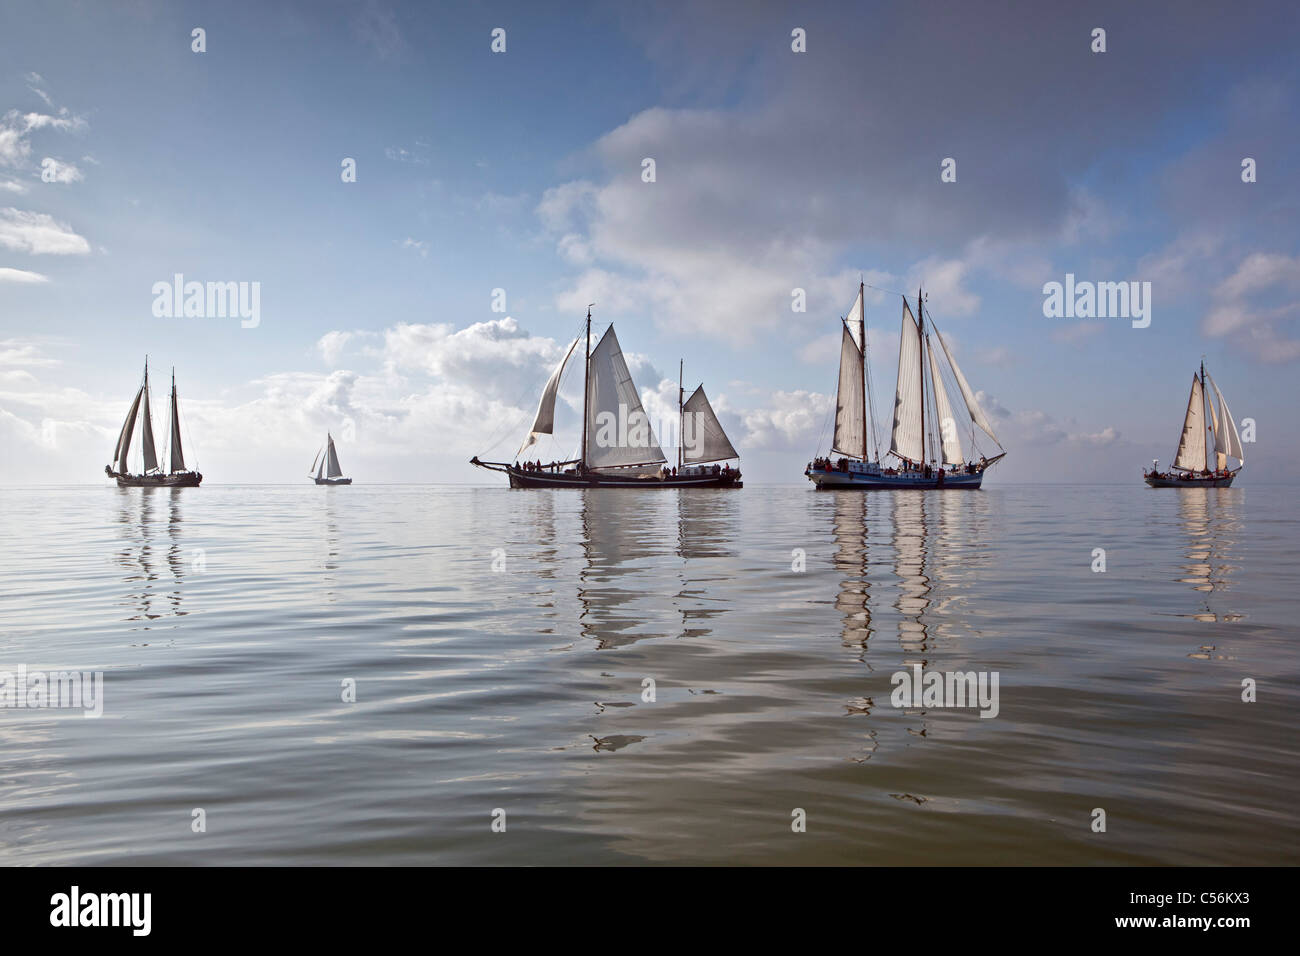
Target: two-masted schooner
x=151 y=474
x=1191 y=463
x=926 y=440
x=329 y=472
x=619 y=448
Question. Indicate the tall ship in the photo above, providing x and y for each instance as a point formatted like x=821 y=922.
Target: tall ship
x=1191 y=468
x=926 y=449
x=329 y=471
x=151 y=473
x=619 y=448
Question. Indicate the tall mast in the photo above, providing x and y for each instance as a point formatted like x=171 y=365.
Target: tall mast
x=920 y=359
x=681 y=417
x=586 y=386
x=862 y=340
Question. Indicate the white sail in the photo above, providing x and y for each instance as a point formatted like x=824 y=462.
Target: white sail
x=850 y=429
x=1228 y=427
x=1191 y=447
x=703 y=440
x=332 y=469
x=544 y=420
x=177 y=452
x=948 y=430
x=618 y=429
x=146 y=437
x=1216 y=431
x=124 y=437
x=316 y=459
x=906 y=438
x=972 y=406
x=857 y=315
x=320 y=472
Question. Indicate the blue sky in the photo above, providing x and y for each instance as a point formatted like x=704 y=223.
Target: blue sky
x=522 y=171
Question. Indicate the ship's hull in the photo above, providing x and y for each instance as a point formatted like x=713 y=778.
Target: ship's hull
x=1191 y=481
x=333 y=481
x=542 y=479
x=865 y=481
x=184 y=479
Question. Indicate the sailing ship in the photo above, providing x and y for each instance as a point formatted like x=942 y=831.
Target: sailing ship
x=926 y=442
x=151 y=474
x=329 y=472
x=1191 y=467
x=619 y=449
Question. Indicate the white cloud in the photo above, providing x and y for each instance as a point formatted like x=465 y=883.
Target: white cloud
x=21 y=276
x=37 y=233
x=1253 y=305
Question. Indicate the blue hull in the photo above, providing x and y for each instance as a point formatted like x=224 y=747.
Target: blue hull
x=861 y=481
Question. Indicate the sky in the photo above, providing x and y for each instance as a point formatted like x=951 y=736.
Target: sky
x=128 y=157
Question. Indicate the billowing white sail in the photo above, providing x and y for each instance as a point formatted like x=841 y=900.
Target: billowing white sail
x=850 y=429
x=332 y=469
x=177 y=452
x=972 y=406
x=857 y=320
x=124 y=437
x=320 y=472
x=1227 y=428
x=906 y=439
x=948 y=430
x=1220 y=459
x=618 y=429
x=544 y=420
x=146 y=437
x=1191 y=447
x=702 y=436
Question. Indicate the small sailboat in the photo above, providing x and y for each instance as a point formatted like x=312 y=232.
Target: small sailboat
x=151 y=474
x=926 y=442
x=329 y=472
x=619 y=449
x=1191 y=463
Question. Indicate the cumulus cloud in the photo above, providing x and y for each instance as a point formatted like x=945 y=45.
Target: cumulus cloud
x=21 y=276
x=38 y=233
x=1256 y=305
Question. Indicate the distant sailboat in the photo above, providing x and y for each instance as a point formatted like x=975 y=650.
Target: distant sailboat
x=1191 y=463
x=151 y=475
x=926 y=443
x=329 y=472
x=619 y=449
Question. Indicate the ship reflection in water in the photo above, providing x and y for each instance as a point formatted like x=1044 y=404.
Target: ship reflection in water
x=651 y=678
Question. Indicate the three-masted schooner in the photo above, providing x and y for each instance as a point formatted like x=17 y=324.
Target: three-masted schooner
x=329 y=472
x=1191 y=463
x=151 y=474
x=926 y=442
x=619 y=449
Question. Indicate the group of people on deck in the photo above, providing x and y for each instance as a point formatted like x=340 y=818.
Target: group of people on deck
x=907 y=467
x=537 y=466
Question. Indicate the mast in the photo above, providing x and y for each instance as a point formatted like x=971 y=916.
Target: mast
x=862 y=340
x=586 y=386
x=920 y=360
x=681 y=417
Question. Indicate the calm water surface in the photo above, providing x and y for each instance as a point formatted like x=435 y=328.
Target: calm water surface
x=226 y=619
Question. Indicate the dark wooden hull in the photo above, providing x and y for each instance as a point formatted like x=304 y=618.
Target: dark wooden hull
x=184 y=479
x=542 y=479
x=1191 y=481
x=333 y=481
